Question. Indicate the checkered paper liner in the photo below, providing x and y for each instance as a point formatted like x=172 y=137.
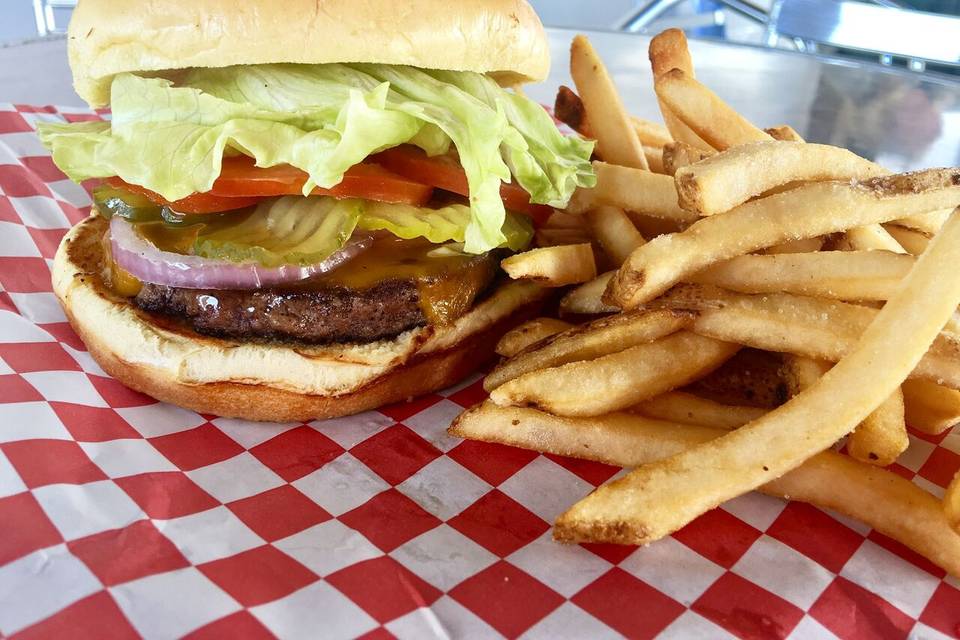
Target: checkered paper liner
x=123 y=517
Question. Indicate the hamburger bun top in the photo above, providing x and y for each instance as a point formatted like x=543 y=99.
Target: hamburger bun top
x=503 y=38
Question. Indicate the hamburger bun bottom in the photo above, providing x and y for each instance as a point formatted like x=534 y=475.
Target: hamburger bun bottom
x=92 y=314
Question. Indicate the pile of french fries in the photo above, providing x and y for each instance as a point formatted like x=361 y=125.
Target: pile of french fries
x=721 y=245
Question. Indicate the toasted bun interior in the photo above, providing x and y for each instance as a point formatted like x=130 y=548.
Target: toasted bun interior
x=276 y=381
x=106 y=37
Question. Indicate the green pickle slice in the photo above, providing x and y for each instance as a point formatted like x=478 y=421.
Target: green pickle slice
x=292 y=229
x=289 y=230
x=111 y=202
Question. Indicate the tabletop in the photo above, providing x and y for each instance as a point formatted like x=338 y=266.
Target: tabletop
x=123 y=517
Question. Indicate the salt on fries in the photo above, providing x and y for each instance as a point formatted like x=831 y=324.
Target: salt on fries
x=742 y=335
x=657 y=499
x=705 y=187
x=810 y=210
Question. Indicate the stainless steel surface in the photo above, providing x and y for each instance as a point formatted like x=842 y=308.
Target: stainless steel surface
x=855 y=25
x=902 y=120
x=647 y=14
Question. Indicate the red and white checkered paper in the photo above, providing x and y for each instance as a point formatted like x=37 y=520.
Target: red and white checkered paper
x=123 y=517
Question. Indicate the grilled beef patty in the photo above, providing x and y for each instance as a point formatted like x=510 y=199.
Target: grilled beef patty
x=319 y=316
x=313 y=313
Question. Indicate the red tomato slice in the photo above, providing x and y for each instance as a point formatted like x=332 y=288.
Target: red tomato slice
x=194 y=203
x=446 y=173
x=240 y=177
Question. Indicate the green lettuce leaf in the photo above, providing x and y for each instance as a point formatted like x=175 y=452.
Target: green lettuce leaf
x=445 y=224
x=323 y=119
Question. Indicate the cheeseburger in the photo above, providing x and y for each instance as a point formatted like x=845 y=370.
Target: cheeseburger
x=302 y=205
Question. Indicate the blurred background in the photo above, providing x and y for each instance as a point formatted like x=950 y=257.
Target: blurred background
x=881 y=77
x=921 y=35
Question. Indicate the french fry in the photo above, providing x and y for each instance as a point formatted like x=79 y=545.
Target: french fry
x=752 y=378
x=568 y=109
x=802 y=372
x=634 y=190
x=928 y=223
x=668 y=50
x=558 y=236
x=881 y=499
x=618 y=380
x=553 y=266
x=650 y=133
x=519 y=338
x=881 y=437
x=563 y=220
x=872 y=237
x=930 y=407
x=812 y=327
x=659 y=498
x=951 y=503
x=784 y=132
x=680 y=154
x=592 y=340
x=827 y=207
x=651 y=227
x=699 y=108
x=614 y=231
x=838 y=275
x=953 y=324
x=587 y=298
x=706 y=187
x=686 y=408
x=562 y=228
x=654 y=157
x=617 y=141
x=914 y=242
x=803 y=245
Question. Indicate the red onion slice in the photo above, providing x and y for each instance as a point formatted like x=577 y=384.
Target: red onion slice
x=148 y=263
